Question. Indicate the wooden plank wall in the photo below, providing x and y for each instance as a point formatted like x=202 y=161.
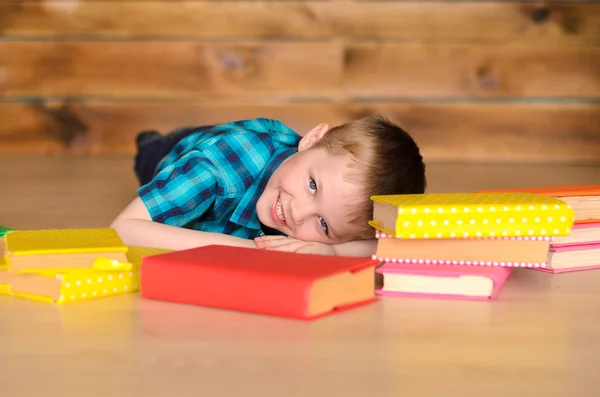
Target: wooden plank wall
x=507 y=81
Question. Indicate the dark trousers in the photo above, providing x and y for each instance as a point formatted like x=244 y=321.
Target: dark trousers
x=152 y=147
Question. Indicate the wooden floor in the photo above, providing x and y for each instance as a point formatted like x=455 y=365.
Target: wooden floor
x=539 y=338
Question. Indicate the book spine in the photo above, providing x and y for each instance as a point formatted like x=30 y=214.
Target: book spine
x=83 y=285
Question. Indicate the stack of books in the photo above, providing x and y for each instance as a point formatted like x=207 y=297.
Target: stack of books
x=580 y=250
x=463 y=245
x=69 y=265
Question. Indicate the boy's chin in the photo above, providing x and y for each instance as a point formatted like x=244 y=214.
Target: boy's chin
x=267 y=221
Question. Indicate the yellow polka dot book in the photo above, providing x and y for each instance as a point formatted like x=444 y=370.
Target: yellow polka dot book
x=3 y=268
x=104 y=278
x=69 y=265
x=4 y=287
x=471 y=215
x=61 y=249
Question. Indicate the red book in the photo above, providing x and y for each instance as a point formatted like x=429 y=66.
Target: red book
x=301 y=286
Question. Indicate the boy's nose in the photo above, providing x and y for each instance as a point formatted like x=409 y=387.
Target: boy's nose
x=299 y=211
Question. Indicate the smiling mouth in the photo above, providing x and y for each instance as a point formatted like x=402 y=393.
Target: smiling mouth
x=278 y=214
x=279 y=210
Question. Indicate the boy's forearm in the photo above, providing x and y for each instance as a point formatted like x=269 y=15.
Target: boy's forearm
x=152 y=234
x=357 y=248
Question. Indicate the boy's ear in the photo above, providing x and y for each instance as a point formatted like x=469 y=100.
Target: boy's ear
x=313 y=136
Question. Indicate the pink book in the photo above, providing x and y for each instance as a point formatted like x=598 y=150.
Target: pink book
x=571 y=258
x=442 y=281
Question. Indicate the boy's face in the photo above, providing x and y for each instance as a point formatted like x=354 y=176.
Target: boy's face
x=307 y=197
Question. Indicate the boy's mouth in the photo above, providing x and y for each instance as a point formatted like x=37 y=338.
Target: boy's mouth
x=277 y=212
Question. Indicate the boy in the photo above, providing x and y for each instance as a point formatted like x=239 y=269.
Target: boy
x=256 y=183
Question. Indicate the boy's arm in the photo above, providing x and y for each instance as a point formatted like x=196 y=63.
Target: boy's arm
x=357 y=248
x=135 y=226
x=361 y=248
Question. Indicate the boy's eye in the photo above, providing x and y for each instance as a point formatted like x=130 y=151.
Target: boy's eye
x=312 y=185
x=323 y=225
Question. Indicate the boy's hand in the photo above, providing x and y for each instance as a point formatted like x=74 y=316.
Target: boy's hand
x=282 y=243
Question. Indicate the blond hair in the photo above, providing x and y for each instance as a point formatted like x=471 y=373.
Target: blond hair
x=385 y=160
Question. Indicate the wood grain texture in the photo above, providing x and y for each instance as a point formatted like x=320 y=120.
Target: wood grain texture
x=473 y=21
x=180 y=69
x=470 y=132
x=412 y=70
x=168 y=69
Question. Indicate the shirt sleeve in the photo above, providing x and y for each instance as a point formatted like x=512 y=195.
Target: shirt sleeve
x=181 y=192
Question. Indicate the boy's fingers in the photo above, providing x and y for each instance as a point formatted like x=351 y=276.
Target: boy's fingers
x=307 y=249
x=292 y=246
x=280 y=243
x=322 y=249
x=269 y=238
x=273 y=243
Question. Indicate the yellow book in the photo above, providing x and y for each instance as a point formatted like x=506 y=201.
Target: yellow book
x=61 y=249
x=4 y=284
x=3 y=271
x=471 y=215
x=106 y=278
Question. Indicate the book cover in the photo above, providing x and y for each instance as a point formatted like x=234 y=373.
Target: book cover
x=285 y=284
x=4 y=283
x=468 y=215
x=105 y=278
x=61 y=249
x=442 y=281
x=3 y=271
x=73 y=286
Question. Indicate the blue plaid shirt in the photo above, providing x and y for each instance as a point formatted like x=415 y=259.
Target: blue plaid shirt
x=212 y=178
